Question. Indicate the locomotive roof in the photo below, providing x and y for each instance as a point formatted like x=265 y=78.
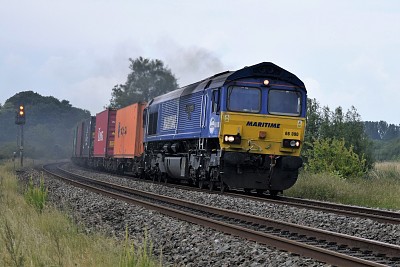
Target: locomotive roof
x=264 y=69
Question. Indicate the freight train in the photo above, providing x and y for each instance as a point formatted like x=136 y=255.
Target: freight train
x=239 y=129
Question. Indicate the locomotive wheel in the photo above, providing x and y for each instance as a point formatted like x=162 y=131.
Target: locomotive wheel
x=273 y=193
x=118 y=169
x=192 y=176
x=201 y=184
x=211 y=185
x=223 y=187
x=260 y=191
x=247 y=190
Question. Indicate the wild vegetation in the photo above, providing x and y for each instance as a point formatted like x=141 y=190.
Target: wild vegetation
x=378 y=188
x=332 y=156
x=340 y=143
x=340 y=159
x=387 y=150
x=324 y=125
x=32 y=233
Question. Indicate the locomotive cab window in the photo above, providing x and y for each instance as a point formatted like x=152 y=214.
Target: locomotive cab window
x=244 y=99
x=215 y=101
x=282 y=102
x=153 y=120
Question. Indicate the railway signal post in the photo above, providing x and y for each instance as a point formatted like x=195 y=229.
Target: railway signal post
x=20 y=120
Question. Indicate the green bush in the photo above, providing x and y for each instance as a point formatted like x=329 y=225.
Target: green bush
x=36 y=195
x=332 y=156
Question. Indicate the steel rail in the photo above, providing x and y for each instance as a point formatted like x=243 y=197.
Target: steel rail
x=351 y=211
x=382 y=216
x=362 y=243
x=328 y=256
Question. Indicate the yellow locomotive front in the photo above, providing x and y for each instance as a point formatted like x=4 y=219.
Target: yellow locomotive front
x=261 y=133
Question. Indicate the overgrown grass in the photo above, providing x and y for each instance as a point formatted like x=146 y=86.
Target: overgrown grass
x=381 y=187
x=49 y=238
x=36 y=195
x=133 y=256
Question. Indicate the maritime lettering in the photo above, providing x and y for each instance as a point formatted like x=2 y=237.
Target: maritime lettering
x=263 y=124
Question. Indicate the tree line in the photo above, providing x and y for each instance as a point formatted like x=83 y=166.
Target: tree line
x=48 y=130
x=381 y=130
x=385 y=139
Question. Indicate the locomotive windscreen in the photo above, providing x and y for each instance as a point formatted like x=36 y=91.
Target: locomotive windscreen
x=244 y=99
x=284 y=102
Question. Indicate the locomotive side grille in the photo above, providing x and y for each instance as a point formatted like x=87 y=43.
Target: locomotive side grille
x=169 y=118
x=189 y=113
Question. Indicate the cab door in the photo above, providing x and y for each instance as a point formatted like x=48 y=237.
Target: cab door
x=211 y=113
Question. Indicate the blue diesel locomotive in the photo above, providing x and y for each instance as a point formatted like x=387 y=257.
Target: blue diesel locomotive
x=237 y=129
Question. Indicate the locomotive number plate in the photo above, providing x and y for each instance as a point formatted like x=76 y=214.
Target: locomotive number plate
x=291 y=133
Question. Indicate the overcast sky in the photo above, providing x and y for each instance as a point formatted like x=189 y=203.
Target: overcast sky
x=346 y=52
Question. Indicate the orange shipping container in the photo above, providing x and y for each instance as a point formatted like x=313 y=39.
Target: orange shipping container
x=129 y=131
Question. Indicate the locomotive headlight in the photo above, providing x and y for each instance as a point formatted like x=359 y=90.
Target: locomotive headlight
x=266 y=82
x=232 y=139
x=291 y=143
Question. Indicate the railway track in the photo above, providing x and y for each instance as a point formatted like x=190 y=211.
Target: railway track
x=329 y=247
x=382 y=216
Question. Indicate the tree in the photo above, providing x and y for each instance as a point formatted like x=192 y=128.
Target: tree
x=323 y=124
x=314 y=120
x=148 y=79
x=371 y=129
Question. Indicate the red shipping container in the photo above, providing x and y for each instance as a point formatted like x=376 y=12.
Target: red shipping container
x=104 y=133
x=129 y=131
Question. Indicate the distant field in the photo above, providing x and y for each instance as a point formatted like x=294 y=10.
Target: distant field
x=380 y=188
